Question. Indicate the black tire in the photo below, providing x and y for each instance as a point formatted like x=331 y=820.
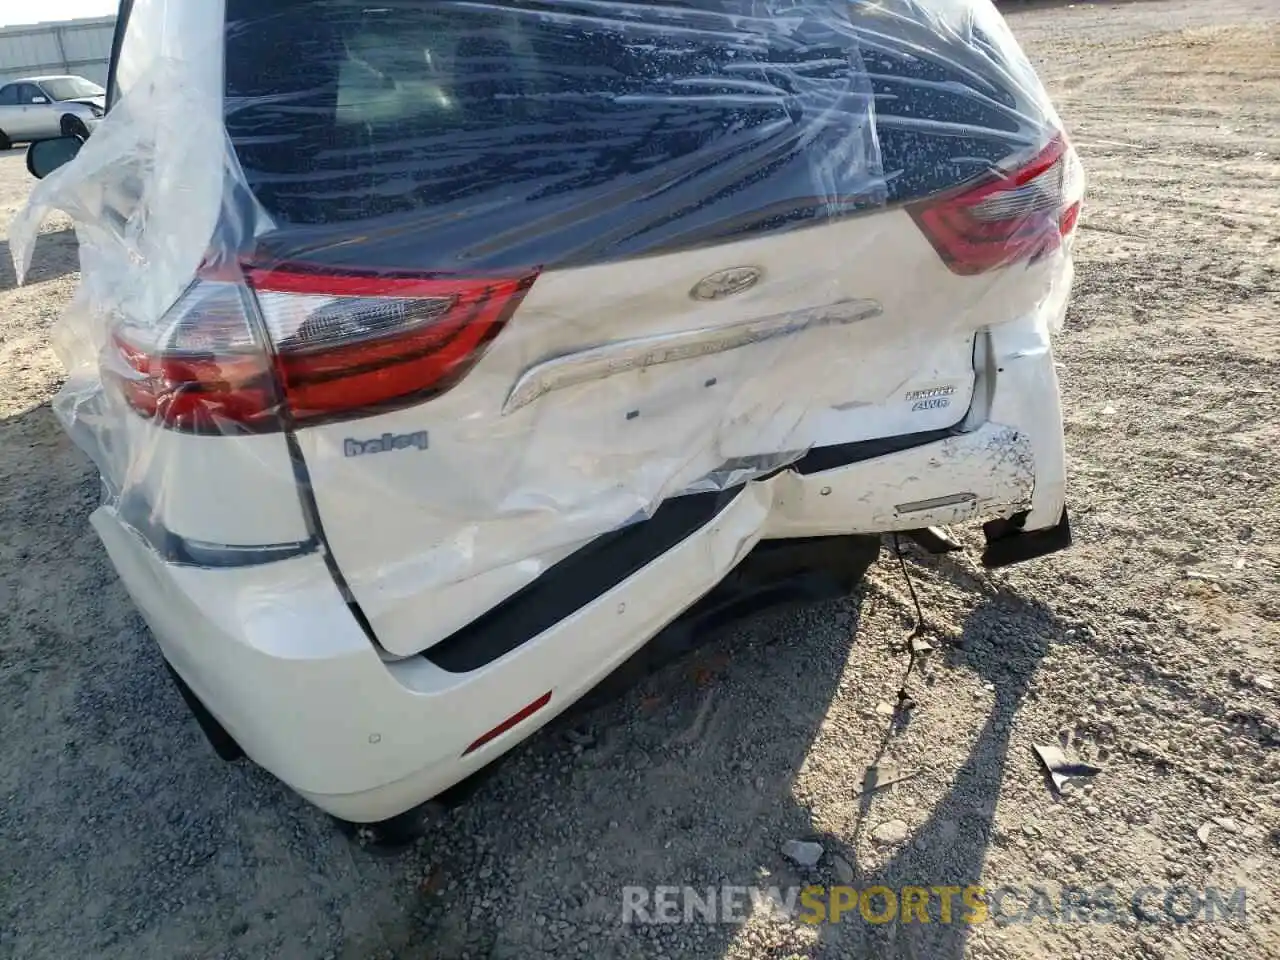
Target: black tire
x=74 y=127
x=5 y=142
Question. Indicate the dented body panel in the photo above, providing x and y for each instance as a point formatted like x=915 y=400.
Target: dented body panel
x=386 y=750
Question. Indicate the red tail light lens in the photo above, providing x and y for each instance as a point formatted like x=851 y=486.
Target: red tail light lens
x=341 y=345
x=209 y=374
x=349 y=343
x=1006 y=218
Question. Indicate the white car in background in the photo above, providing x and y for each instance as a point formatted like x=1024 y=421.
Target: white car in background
x=38 y=108
x=524 y=331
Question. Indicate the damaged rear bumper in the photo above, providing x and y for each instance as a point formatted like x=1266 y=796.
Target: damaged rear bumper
x=277 y=657
x=299 y=687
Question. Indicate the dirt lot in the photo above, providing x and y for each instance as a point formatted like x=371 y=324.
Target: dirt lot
x=1152 y=646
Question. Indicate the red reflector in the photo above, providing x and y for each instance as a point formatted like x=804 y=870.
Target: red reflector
x=1069 y=218
x=520 y=715
x=342 y=344
x=1005 y=218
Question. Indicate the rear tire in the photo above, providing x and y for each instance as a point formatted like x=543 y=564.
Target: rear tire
x=5 y=142
x=74 y=127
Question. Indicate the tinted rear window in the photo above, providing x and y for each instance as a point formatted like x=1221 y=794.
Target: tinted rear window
x=544 y=132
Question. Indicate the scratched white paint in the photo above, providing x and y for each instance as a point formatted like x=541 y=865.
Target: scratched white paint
x=993 y=464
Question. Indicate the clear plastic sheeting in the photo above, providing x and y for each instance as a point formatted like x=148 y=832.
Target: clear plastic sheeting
x=448 y=289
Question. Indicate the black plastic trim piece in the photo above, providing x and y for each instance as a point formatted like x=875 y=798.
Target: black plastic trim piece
x=117 y=42
x=608 y=560
x=575 y=581
x=843 y=454
x=935 y=540
x=1008 y=543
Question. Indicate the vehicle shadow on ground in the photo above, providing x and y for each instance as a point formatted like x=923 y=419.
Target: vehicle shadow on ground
x=1003 y=641
x=699 y=792
x=138 y=843
x=56 y=254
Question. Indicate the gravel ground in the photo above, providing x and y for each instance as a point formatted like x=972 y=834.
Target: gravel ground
x=1151 y=648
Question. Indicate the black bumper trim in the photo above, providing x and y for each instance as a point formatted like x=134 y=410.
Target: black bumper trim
x=844 y=454
x=608 y=560
x=605 y=562
x=575 y=581
x=1008 y=543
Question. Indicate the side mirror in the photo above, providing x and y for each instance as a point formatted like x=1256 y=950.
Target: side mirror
x=46 y=156
x=39 y=100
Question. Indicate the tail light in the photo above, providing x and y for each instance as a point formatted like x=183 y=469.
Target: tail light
x=339 y=345
x=1007 y=217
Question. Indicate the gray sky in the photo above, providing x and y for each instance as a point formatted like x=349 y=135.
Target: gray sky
x=30 y=11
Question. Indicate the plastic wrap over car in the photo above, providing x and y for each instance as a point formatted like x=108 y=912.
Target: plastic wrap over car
x=428 y=262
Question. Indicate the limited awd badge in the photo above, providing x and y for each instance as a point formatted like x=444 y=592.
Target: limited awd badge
x=726 y=283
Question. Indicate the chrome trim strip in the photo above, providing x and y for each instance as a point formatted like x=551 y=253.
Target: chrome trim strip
x=623 y=356
x=950 y=500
